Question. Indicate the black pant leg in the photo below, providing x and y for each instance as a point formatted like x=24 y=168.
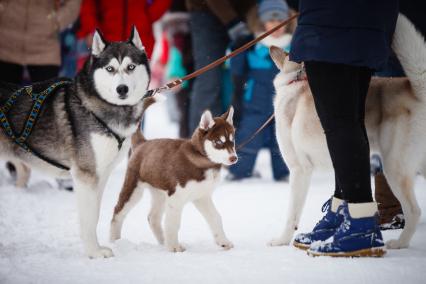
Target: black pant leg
x=11 y=73
x=42 y=72
x=340 y=106
x=364 y=82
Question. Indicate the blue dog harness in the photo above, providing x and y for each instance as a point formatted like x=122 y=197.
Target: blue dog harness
x=38 y=102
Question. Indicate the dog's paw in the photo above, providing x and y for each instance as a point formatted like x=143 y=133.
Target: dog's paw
x=100 y=252
x=278 y=242
x=225 y=244
x=176 y=248
x=396 y=244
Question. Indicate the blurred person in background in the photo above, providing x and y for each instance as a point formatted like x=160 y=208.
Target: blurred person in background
x=214 y=25
x=115 y=18
x=29 y=32
x=255 y=70
x=30 y=38
x=180 y=60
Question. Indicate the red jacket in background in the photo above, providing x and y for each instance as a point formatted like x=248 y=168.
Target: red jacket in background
x=115 y=18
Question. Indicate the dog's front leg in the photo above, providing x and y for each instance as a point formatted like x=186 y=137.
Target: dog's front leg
x=299 y=183
x=89 y=194
x=208 y=210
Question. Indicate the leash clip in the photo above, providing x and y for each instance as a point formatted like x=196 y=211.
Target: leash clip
x=168 y=86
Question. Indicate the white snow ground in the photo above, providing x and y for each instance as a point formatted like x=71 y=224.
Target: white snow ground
x=39 y=240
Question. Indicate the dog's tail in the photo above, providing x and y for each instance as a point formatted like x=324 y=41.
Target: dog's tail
x=137 y=137
x=410 y=48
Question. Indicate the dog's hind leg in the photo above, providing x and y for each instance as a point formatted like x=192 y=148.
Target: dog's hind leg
x=130 y=195
x=172 y=222
x=89 y=192
x=300 y=178
x=207 y=208
x=23 y=173
x=402 y=185
x=155 y=216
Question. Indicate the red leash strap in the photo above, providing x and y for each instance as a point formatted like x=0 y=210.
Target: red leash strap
x=216 y=63
x=219 y=61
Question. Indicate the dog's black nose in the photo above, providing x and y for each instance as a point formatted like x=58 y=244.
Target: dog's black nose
x=122 y=90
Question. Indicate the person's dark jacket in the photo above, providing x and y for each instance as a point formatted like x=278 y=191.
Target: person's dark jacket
x=226 y=10
x=353 y=32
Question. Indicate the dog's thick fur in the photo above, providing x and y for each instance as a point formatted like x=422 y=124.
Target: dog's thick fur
x=176 y=172
x=77 y=125
x=395 y=121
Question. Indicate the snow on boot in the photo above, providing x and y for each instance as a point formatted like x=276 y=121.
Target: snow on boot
x=325 y=228
x=358 y=235
x=390 y=211
x=397 y=222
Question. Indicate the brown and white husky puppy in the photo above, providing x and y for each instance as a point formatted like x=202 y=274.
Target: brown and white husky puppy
x=395 y=121
x=178 y=171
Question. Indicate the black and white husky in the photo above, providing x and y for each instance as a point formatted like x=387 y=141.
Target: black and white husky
x=86 y=126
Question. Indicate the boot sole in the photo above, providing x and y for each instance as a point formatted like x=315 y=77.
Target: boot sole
x=300 y=246
x=370 y=252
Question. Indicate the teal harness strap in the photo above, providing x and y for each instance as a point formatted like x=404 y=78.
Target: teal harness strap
x=39 y=100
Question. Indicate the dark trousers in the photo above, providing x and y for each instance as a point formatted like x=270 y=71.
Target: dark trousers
x=248 y=154
x=339 y=93
x=13 y=73
x=209 y=42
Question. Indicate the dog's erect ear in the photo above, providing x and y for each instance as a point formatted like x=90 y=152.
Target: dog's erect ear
x=98 y=43
x=206 y=121
x=135 y=39
x=228 y=116
x=278 y=56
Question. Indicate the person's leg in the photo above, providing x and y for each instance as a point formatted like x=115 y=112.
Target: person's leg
x=182 y=98
x=339 y=93
x=364 y=81
x=336 y=91
x=11 y=73
x=209 y=42
x=42 y=72
x=248 y=154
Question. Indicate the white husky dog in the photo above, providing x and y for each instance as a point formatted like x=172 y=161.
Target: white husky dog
x=395 y=121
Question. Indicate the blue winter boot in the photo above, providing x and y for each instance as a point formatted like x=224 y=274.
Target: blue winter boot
x=325 y=228
x=358 y=235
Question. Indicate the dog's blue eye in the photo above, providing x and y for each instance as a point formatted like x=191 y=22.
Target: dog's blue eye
x=131 y=67
x=218 y=142
x=110 y=69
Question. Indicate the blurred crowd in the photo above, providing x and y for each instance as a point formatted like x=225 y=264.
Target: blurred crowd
x=52 y=38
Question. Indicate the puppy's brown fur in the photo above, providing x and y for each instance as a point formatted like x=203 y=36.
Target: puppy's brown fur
x=168 y=165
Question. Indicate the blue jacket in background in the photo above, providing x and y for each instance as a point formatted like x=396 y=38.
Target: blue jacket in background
x=259 y=70
x=353 y=32
x=257 y=67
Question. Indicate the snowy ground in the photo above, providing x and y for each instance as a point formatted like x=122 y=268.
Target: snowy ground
x=39 y=240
